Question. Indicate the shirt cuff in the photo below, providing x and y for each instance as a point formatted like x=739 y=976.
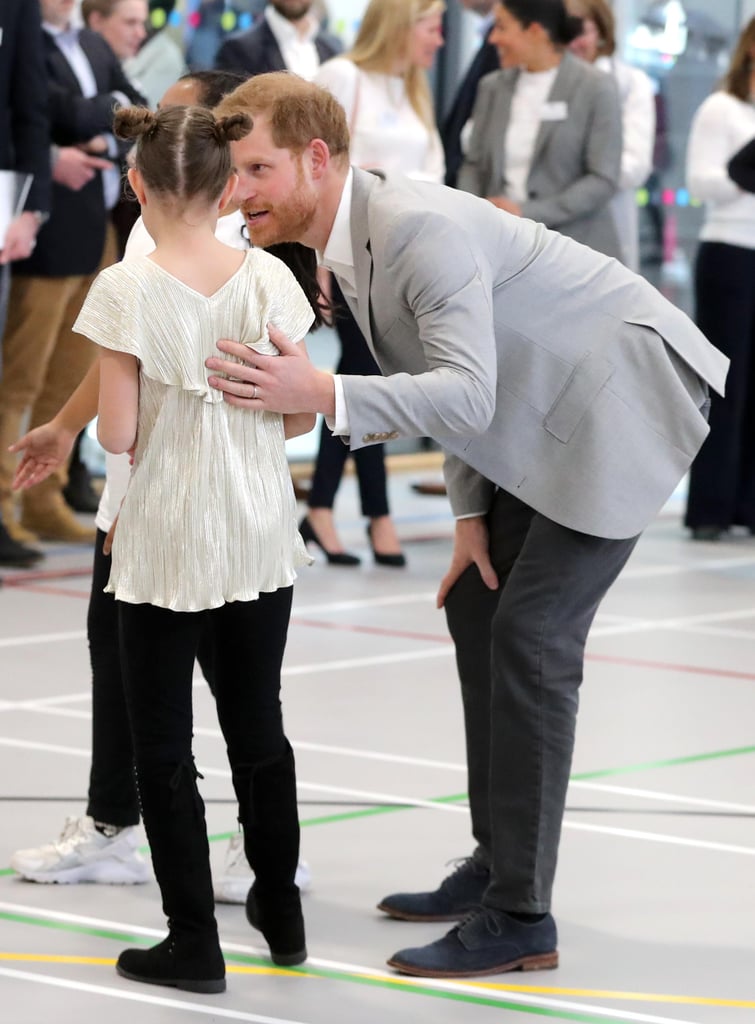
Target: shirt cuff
x=339 y=424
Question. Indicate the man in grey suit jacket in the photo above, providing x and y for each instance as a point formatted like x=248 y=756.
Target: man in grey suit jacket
x=570 y=397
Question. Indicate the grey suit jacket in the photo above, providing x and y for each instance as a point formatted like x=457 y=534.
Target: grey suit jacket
x=576 y=162
x=539 y=365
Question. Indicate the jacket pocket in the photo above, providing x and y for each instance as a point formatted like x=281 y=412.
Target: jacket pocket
x=583 y=386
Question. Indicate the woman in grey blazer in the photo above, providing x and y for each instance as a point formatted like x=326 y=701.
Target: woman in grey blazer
x=546 y=136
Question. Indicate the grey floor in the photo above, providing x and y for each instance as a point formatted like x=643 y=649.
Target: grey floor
x=654 y=898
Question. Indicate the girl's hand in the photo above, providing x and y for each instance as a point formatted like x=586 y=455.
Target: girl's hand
x=45 y=449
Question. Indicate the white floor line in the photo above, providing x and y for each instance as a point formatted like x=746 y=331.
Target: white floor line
x=206 y=1010
x=458 y=767
x=462 y=988
x=678 y=622
x=657 y=837
x=41 y=638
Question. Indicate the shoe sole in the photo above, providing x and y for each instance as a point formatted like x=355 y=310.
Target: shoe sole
x=186 y=985
x=288 y=959
x=402 y=915
x=75 y=876
x=541 y=962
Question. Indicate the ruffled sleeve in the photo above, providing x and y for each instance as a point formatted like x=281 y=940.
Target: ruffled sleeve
x=107 y=316
x=289 y=308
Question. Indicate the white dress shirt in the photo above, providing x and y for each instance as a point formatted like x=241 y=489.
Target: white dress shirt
x=67 y=41
x=530 y=96
x=297 y=49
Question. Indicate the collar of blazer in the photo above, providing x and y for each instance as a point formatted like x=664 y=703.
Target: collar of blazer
x=364 y=182
x=567 y=78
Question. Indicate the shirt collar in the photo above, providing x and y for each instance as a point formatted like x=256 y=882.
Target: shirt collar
x=68 y=34
x=338 y=254
x=286 y=32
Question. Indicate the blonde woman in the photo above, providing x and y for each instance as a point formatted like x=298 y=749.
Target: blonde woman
x=382 y=85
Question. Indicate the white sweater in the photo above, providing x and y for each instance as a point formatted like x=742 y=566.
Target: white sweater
x=386 y=131
x=721 y=126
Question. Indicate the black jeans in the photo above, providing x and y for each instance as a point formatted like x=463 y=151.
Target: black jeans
x=520 y=654
x=158 y=650
x=356 y=358
x=112 y=787
x=722 y=478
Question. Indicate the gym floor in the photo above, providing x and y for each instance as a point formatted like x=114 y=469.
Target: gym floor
x=654 y=897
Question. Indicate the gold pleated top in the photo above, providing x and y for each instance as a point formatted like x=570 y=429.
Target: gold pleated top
x=209 y=515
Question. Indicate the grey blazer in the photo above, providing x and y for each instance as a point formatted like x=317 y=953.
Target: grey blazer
x=538 y=364
x=576 y=162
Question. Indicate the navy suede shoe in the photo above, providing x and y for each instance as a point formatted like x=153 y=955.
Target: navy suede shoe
x=455 y=897
x=487 y=942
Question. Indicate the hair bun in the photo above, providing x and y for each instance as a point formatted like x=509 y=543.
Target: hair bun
x=233 y=127
x=133 y=122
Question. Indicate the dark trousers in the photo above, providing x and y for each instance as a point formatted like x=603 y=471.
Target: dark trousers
x=356 y=358
x=158 y=650
x=722 y=478
x=520 y=654
x=112 y=787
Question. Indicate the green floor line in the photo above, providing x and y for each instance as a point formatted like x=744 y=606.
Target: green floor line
x=666 y=763
x=329 y=973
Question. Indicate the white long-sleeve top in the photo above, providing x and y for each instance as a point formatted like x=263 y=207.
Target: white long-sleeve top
x=638 y=137
x=386 y=131
x=720 y=127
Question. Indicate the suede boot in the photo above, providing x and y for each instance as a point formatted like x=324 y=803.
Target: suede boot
x=46 y=513
x=10 y=431
x=270 y=819
x=173 y=813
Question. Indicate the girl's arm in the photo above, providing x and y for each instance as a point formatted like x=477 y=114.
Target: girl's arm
x=297 y=423
x=119 y=401
x=47 y=447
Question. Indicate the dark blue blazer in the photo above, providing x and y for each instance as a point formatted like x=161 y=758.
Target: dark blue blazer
x=72 y=241
x=486 y=60
x=256 y=51
x=24 y=126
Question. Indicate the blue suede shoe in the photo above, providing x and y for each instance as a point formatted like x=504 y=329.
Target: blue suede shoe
x=455 y=897
x=487 y=942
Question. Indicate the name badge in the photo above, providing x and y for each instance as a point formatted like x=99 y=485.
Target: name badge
x=556 y=110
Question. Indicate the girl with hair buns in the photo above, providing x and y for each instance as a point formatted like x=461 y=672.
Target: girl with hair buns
x=206 y=534
x=546 y=128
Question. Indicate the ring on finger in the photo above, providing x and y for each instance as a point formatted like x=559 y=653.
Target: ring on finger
x=254 y=391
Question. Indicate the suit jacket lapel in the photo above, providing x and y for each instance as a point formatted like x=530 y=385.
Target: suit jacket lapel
x=360 y=241
x=273 y=55
x=62 y=72
x=562 y=89
x=500 y=120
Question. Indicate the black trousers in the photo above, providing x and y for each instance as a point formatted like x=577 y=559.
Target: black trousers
x=112 y=797
x=158 y=648
x=520 y=655
x=722 y=478
x=356 y=358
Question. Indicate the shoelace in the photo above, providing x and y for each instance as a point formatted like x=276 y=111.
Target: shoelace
x=490 y=916
x=462 y=866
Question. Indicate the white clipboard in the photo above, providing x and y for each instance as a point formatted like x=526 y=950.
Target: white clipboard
x=14 y=189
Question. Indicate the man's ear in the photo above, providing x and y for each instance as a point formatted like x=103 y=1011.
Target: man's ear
x=136 y=182
x=319 y=156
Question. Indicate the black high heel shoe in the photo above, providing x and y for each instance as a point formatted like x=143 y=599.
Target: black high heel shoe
x=333 y=557
x=395 y=561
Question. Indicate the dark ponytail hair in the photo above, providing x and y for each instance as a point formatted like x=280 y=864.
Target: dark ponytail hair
x=561 y=26
x=182 y=151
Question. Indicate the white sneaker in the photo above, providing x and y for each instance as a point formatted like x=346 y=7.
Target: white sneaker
x=82 y=854
x=236 y=880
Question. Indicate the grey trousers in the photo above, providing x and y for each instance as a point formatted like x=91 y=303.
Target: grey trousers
x=519 y=654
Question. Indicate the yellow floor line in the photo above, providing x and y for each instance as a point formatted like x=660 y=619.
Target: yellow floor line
x=542 y=990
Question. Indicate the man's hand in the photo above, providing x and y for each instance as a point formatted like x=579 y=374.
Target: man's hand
x=285 y=383
x=74 y=168
x=471 y=547
x=20 y=238
x=45 y=449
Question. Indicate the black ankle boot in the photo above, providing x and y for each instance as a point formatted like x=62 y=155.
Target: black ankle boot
x=269 y=815
x=192 y=962
x=278 y=916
